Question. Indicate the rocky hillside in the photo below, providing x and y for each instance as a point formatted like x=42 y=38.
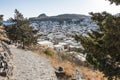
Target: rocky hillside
x=6 y=62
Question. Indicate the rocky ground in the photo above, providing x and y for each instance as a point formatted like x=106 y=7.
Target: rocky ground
x=30 y=66
x=6 y=62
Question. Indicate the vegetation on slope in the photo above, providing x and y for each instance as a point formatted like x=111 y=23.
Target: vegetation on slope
x=103 y=45
x=65 y=62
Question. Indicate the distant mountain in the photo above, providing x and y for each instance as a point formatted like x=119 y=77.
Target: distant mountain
x=62 y=17
x=70 y=16
x=41 y=16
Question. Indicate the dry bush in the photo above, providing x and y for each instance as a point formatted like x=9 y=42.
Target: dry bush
x=92 y=74
x=68 y=67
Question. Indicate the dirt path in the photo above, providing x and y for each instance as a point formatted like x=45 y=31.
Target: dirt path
x=29 y=66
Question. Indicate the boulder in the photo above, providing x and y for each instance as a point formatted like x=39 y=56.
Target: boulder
x=78 y=75
x=59 y=71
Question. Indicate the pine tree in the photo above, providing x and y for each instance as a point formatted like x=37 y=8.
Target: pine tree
x=103 y=45
x=18 y=15
x=21 y=31
x=117 y=2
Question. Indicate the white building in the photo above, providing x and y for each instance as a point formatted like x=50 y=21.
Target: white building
x=59 y=48
x=46 y=43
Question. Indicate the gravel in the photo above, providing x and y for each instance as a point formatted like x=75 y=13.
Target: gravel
x=30 y=66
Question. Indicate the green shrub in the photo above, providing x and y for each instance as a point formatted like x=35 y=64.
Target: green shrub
x=49 y=51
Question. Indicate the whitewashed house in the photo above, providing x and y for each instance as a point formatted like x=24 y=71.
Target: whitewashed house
x=46 y=43
x=59 y=48
x=64 y=44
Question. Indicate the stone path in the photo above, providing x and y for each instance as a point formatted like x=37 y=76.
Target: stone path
x=30 y=66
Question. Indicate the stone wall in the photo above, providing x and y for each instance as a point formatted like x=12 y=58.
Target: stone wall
x=6 y=64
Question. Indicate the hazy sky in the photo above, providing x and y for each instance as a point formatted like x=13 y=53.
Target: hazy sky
x=32 y=8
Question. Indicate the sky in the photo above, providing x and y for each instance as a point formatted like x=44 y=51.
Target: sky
x=33 y=8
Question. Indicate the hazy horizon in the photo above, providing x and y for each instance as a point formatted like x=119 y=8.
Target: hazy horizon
x=32 y=8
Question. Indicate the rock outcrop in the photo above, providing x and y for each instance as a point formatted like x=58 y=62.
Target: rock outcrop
x=78 y=75
x=6 y=64
x=60 y=73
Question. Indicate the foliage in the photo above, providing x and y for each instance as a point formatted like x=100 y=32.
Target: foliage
x=49 y=51
x=21 y=31
x=1 y=18
x=103 y=45
x=117 y=2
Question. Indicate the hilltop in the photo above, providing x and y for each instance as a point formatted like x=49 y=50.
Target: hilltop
x=61 y=17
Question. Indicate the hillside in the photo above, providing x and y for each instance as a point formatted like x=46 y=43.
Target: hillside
x=61 y=17
x=70 y=66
